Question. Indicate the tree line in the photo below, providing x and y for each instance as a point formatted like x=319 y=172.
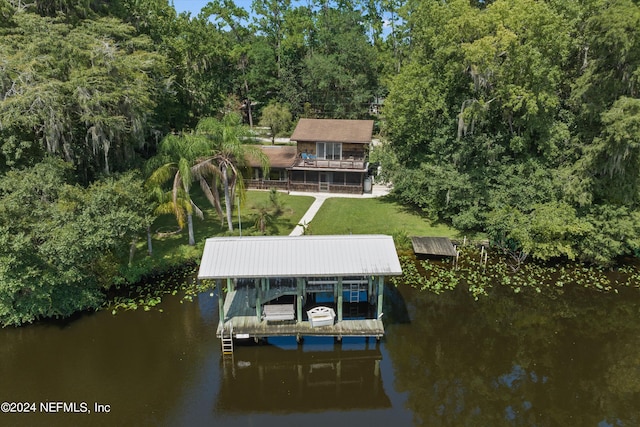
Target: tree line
x=517 y=118
x=110 y=111
x=101 y=83
x=521 y=118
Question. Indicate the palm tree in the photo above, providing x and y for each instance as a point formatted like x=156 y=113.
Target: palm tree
x=263 y=218
x=174 y=161
x=227 y=156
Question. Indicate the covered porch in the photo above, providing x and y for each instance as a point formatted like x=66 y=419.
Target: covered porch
x=329 y=180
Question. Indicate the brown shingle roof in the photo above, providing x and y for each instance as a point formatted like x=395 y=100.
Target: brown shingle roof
x=333 y=130
x=279 y=156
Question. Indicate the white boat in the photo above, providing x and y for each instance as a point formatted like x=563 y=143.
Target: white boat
x=321 y=316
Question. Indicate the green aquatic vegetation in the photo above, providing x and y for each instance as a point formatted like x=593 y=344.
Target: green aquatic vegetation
x=480 y=278
x=149 y=292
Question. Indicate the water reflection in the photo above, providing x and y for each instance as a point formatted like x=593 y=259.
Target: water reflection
x=314 y=377
x=139 y=363
x=519 y=361
x=446 y=360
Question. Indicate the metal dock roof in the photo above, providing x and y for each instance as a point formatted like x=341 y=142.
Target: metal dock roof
x=299 y=256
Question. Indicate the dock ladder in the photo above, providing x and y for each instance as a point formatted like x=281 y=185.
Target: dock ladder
x=227 y=340
x=354 y=293
x=354 y=299
x=228 y=364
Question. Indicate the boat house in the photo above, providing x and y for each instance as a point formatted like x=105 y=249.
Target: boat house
x=331 y=155
x=299 y=286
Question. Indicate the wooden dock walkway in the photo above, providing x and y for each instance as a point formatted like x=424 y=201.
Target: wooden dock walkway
x=240 y=312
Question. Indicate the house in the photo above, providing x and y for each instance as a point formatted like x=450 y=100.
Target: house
x=330 y=155
x=281 y=160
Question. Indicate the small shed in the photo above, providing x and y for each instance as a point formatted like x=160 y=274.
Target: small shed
x=433 y=246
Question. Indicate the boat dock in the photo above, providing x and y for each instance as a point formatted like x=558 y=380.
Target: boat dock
x=275 y=283
x=240 y=315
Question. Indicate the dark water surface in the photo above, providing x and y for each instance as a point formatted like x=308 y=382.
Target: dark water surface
x=510 y=360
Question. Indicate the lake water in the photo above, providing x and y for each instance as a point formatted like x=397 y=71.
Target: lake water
x=508 y=360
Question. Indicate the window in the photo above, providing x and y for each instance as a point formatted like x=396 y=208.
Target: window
x=329 y=150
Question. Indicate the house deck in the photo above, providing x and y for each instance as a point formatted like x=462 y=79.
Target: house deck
x=241 y=315
x=314 y=163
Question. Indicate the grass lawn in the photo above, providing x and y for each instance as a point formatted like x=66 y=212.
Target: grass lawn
x=170 y=246
x=374 y=216
x=336 y=216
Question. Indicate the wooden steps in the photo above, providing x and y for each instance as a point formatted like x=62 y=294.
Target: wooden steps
x=227 y=340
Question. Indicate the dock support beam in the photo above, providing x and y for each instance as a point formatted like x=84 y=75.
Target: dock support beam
x=258 y=298
x=340 y=297
x=300 y=288
x=380 y=294
x=220 y=300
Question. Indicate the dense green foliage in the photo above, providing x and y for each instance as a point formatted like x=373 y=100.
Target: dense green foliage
x=521 y=118
x=61 y=244
x=515 y=118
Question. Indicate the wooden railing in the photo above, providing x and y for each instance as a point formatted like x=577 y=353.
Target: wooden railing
x=258 y=184
x=332 y=187
x=267 y=184
x=332 y=164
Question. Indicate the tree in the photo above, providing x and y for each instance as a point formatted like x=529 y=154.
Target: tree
x=176 y=156
x=61 y=245
x=201 y=70
x=277 y=118
x=263 y=218
x=612 y=161
x=548 y=231
x=615 y=231
x=267 y=214
x=227 y=14
x=608 y=60
x=270 y=16
x=299 y=30
x=510 y=111
x=226 y=156
x=340 y=76
x=89 y=98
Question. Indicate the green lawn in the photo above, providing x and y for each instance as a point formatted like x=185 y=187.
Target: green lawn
x=336 y=216
x=172 y=247
x=374 y=216
x=293 y=209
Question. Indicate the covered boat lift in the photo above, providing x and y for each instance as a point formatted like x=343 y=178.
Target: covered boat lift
x=265 y=271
